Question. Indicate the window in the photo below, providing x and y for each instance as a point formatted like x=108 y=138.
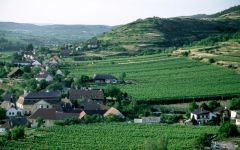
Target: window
x=47 y=106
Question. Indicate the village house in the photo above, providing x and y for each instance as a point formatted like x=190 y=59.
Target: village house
x=36 y=63
x=202 y=116
x=238 y=120
x=60 y=73
x=49 y=116
x=29 y=55
x=90 y=107
x=13 y=112
x=104 y=78
x=41 y=104
x=44 y=76
x=66 y=104
x=233 y=114
x=7 y=105
x=7 y=96
x=16 y=72
x=12 y=122
x=27 y=101
x=65 y=53
x=147 y=120
x=85 y=94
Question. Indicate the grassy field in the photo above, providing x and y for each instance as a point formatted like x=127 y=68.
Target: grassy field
x=160 y=76
x=111 y=136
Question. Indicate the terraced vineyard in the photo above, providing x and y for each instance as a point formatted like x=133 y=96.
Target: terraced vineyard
x=160 y=76
x=111 y=136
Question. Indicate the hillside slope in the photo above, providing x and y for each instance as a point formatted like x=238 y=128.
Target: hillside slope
x=50 y=34
x=158 y=34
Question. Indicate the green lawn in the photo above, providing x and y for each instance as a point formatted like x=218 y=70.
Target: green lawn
x=111 y=136
x=159 y=76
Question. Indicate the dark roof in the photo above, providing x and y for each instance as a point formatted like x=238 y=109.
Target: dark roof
x=103 y=77
x=44 y=113
x=64 y=52
x=90 y=105
x=22 y=62
x=15 y=71
x=94 y=94
x=63 y=115
x=51 y=97
x=219 y=109
x=200 y=111
x=7 y=96
x=43 y=95
x=17 y=121
x=28 y=52
x=52 y=114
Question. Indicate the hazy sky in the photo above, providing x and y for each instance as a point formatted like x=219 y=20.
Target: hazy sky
x=107 y=12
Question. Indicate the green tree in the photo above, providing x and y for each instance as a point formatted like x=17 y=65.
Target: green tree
x=204 y=106
x=39 y=121
x=123 y=76
x=112 y=92
x=93 y=118
x=29 y=47
x=213 y=104
x=43 y=84
x=55 y=86
x=27 y=69
x=192 y=106
x=204 y=140
x=235 y=104
x=31 y=85
x=17 y=133
x=36 y=70
x=227 y=129
x=114 y=118
x=2 y=114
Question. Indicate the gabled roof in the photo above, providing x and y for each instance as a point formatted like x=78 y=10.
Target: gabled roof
x=200 y=111
x=45 y=114
x=7 y=105
x=103 y=77
x=7 y=96
x=91 y=106
x=15 y=70
x=113 y=111
x=52 y=114
x=43 y=95
x=94 y=94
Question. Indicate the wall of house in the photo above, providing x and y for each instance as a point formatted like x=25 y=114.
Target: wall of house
x=238 y=122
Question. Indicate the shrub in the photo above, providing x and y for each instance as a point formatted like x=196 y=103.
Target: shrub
x=203 y=140
x=114 y=118
x=228 y=130
x=17 y=133
x=211 y=60
x=235 y=104
x=93 y=118
x=160 y=144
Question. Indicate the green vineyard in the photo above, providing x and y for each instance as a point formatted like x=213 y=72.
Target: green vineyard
x=160 y=76
x=111 y=136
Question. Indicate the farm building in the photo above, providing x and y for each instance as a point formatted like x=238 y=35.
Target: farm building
x=148 y=120
x=202 y=116
x=104 y=78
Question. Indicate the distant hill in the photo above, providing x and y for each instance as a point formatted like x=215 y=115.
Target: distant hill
x=231 y=13
x=50 y=34
x=157 y=33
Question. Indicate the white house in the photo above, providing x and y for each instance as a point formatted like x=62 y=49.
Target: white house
x=147 y=120
x=12 y=112
x=59 y=72
x=46 y=76
x=233 y=114
x=36 y=63
x=202 y=116
x=238 y=121
x=41 y=104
